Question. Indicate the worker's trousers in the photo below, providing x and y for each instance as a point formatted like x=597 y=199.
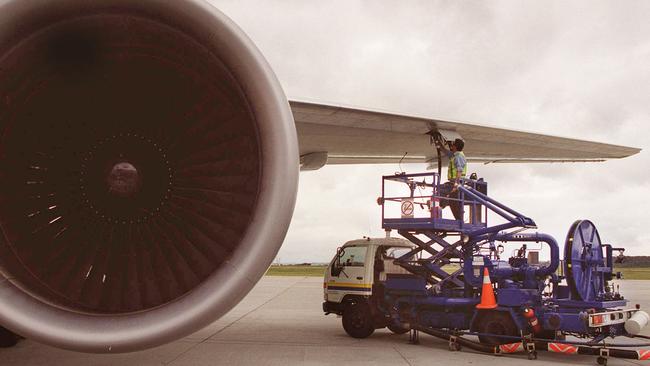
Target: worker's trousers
x=452 y=202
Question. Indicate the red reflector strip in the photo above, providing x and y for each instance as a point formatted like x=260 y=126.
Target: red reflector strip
x=567 y=349
x=643 y=354
x=511 y=347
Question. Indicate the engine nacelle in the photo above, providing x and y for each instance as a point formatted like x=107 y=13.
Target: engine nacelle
x=148 y=170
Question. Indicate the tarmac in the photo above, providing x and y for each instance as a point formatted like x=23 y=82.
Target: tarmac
x=281 y=323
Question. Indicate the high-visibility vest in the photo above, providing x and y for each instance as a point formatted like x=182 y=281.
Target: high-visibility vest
x=452 y=172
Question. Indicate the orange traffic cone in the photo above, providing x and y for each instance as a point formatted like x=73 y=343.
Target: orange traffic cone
x=487 y=293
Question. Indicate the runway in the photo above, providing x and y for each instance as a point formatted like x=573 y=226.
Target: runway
x=281 y=323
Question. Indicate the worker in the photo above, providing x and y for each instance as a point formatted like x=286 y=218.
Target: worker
x=456 y=170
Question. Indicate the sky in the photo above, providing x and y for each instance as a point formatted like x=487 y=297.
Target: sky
x=577 y=69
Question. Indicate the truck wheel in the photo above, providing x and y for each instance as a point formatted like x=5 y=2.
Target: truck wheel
x=398 y=329
x=7 y=338
x=499 y=323
x=357 y=320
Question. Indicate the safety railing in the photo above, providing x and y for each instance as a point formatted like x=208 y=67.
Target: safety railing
x=417 y=202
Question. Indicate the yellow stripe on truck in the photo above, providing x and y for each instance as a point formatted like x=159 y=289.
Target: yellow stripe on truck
x=346 y=284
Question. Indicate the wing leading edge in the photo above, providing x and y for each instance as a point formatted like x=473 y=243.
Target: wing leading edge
x=338 y=135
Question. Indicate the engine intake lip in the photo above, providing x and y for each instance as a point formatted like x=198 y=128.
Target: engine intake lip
x=75 y=329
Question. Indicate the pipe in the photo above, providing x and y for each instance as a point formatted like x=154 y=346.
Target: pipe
x=537 y=237
x=509 y=272
x=460 y=340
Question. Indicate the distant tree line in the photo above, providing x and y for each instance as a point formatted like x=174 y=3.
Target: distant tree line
x=634 y=261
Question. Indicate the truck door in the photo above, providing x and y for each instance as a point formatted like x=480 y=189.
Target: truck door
x=348 y=274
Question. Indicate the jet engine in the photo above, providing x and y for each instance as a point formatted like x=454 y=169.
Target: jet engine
x=148 y=170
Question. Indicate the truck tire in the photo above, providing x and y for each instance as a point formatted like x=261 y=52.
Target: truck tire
x=497 y=322
x=7 y=338
x=398 y=329
x=357 y=320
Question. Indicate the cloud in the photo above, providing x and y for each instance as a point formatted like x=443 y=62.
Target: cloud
x=574 y=69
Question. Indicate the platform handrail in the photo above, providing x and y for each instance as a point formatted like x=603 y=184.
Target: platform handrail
x=498 y=207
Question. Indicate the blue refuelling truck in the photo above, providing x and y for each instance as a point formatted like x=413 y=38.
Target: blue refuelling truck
x=453 y=279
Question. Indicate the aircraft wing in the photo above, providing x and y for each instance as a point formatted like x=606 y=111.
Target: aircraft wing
x=337 y=135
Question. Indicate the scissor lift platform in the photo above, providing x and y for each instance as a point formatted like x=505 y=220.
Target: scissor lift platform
x=413 y=204
x=435 y=224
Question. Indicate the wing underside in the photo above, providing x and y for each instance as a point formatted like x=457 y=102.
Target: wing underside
x=338 y=135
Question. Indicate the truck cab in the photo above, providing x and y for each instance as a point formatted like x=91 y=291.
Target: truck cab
x=354 y=283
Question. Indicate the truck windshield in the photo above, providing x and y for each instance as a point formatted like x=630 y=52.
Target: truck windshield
x=353 y=256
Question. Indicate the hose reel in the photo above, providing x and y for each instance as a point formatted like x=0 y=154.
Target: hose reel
x=584 y=262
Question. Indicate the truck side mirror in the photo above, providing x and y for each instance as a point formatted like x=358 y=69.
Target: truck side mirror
x=337 y=267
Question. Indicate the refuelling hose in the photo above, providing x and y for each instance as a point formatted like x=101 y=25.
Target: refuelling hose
x=532 y=345
x=574 y=343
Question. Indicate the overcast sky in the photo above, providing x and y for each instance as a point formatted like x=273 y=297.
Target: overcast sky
x=575 y=69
